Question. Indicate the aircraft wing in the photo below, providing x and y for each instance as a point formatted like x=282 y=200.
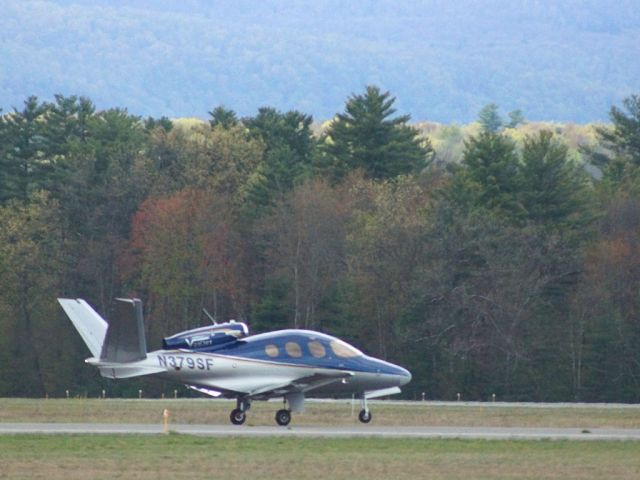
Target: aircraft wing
x=301 y=385
x=273 y=387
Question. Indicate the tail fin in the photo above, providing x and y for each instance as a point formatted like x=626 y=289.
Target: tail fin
x=125 y=340
x=91 y=326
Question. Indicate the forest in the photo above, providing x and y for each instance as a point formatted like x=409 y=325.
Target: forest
x=500 y=257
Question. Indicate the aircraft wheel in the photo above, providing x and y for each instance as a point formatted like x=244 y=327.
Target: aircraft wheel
x=283 y=417
x=237 y=416
x=364 y=416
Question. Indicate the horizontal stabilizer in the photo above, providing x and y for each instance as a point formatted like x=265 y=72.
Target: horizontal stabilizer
x=125 y=370
x=91 y=326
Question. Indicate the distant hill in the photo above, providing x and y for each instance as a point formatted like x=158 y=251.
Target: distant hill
x=555 y=60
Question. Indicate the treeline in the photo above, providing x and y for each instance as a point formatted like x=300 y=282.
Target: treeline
x=505 y=266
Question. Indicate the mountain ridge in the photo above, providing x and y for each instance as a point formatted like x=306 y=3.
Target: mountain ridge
x=565 y=61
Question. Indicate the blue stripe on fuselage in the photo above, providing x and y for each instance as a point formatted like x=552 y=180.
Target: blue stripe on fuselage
x=257 y=346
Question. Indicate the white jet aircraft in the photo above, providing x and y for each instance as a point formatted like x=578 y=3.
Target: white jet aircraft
x=223 y=360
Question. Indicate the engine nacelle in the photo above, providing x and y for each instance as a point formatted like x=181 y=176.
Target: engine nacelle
x=209 y=336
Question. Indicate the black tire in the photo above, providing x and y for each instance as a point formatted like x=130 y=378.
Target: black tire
x=237 y=416
x=283 y=417
x=364 y=416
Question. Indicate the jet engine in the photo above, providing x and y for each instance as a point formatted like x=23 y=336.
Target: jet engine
x=207 y=337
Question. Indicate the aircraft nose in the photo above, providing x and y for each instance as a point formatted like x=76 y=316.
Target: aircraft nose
x=405 y=376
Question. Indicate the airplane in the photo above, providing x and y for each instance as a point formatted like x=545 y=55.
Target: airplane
x=223 y=360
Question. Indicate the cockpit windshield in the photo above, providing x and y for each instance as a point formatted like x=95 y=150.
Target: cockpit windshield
x=344 y=350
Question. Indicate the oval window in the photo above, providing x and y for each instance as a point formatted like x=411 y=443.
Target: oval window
x=316 y=349
x=271 y=350
x=293 y=349
x=344 y=350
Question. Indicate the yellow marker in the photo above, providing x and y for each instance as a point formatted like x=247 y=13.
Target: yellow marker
x=165 y=420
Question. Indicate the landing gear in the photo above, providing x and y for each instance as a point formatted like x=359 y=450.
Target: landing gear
x=239 y=414
x=283 y=417
x=365 y=415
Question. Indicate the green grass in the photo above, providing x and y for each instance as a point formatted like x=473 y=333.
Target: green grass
x=177 y=456
x=262 y=413
x=54 y=457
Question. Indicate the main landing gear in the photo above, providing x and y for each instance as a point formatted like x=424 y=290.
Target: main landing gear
x=283 y=417
x=239 y=414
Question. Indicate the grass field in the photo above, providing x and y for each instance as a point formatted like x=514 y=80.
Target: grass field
x=54 y=457
x=176 y=456
x=262 y=413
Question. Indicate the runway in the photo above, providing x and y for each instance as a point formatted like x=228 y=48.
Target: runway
x=487 y=433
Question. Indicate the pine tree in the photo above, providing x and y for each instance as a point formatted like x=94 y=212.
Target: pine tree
x=289 y=148
x=367 y=136
x=516 y=117
x=552 y=188
x=25 y=159
x=223 y=117
x=623 y=140
x=491 y=163
x=490 y=119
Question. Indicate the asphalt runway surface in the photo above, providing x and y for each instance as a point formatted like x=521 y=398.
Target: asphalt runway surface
x=488 y=433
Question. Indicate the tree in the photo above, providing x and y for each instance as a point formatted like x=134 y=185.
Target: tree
x=290 y=130
x=103 y=187
x=618 y=152
x=367 y=136
x=221 y=159
x=490 y=162
x=223 y=117
x=516 y=117
x=552 y=189
x=163 y=122
x=25 y=162
x=34 y=346
x=605 y=326
x=489 y=118
x=485 y=312
x=305 y=235
x=385 y=246
x=624 y=139
x=184 y=253
x=66 y=122
x=289 y=148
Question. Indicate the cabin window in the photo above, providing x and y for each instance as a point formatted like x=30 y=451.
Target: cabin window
x=271 y=350
x=293 y=349
x=344 y=350
x=316 y=349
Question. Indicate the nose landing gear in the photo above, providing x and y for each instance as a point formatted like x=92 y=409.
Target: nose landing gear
x=365 y=414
